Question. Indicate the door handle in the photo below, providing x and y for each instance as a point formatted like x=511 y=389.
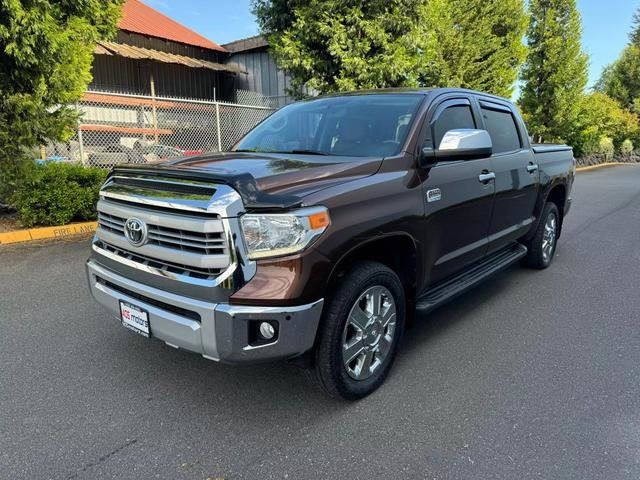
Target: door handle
x=532 y=167
x=486 y=177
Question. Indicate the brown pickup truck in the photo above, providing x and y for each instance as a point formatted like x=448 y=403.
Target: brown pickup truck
x=327 y=228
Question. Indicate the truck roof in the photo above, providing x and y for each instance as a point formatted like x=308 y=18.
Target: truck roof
x=436 y=91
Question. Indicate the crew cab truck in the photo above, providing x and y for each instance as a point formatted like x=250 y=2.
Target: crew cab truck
x=327 y=227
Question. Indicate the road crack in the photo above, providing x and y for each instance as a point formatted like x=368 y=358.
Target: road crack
x=102 y=459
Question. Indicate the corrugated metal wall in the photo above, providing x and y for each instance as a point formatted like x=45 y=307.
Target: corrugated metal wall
x=125 y=75
x=118 y=74
x=263 y=75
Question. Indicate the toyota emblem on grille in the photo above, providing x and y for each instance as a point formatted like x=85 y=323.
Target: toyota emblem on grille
x=136 y=231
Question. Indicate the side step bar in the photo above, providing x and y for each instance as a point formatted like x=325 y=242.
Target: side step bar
x=454 y=286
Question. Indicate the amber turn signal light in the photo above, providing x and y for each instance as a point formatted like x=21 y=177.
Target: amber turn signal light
x=318 y=220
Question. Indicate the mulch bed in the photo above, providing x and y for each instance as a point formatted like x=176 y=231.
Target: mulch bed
x=591 y=160
x=8 y=222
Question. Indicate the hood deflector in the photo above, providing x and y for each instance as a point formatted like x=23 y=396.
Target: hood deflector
x=244 y=183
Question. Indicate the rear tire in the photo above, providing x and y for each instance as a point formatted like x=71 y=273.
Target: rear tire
x=360 y=331
x=542 y=247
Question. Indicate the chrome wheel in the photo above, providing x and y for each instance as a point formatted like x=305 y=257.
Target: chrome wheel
x=549 y=237
x=369 y=332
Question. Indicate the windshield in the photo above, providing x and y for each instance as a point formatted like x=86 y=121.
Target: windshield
x=358 y=126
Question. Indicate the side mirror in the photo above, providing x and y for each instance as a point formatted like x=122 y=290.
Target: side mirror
x=464 y=144
x=458 y=144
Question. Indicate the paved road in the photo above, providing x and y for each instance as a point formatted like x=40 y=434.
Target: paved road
x=533 y=375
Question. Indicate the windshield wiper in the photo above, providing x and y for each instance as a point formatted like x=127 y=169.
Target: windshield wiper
x=294 y=151
x=303 y=152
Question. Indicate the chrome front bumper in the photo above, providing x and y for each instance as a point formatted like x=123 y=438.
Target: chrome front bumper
x=217 y=331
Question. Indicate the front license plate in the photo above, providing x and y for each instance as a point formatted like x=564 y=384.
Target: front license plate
x=134 y=318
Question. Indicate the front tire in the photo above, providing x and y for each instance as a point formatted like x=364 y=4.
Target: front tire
x=360 y=332
x=542 y=246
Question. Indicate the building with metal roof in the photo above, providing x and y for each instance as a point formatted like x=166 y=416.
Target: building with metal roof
x=153 y=51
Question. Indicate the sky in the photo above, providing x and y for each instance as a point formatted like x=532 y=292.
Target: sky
x=606 y=24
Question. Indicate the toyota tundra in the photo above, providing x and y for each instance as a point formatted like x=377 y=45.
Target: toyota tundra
x=327 y=227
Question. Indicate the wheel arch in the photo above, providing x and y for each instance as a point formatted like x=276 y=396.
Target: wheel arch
x=397 y=250
x=558 y=195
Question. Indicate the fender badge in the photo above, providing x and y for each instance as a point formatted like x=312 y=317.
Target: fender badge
x=434 y=195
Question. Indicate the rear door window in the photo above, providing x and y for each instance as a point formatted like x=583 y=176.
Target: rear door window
x=502 y=128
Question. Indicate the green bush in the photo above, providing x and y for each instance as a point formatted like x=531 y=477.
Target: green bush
x=57 y=193
x=627 y=147
x=12 y=171
x=606 y=148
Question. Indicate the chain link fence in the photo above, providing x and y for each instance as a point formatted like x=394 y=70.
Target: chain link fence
x=117 y=128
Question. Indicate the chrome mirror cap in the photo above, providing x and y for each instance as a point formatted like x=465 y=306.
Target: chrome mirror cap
x=465 y=139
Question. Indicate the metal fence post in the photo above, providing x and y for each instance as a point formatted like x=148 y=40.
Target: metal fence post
x=81 y=146
x=80 y=139
x=218 y=127
x=154 y=112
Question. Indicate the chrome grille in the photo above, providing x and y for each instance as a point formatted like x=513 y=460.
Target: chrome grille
x=190 y=224
x=205 y=243
x=164 y=266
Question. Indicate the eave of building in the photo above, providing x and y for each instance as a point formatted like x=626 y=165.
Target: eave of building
x=140 y=53
x=246 y=44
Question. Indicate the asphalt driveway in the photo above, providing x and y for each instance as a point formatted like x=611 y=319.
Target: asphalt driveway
x=532 y=375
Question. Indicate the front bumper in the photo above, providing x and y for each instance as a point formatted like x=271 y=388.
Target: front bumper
x=218 y=331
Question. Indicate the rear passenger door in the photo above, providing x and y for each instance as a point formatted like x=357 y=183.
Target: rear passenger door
x=517 y=178
x=458 y=204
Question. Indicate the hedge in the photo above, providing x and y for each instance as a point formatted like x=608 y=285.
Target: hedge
x=57 y=193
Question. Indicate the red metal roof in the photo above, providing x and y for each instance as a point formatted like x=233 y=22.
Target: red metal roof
x=140 y=18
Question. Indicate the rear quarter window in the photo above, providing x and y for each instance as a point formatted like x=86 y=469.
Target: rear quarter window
x=503 y=130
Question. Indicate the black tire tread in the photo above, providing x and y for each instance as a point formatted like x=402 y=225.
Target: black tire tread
x=328 y=365
x=534 y=255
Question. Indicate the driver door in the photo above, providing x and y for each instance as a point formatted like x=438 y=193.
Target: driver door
x=458 y=202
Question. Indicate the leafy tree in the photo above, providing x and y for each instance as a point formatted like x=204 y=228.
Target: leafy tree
x=555 y=73
x=336 y=45
x=598 y=117
x=606 y=148
x=627 y=147
x=46 y=50
x=621 y=80
x=476 y=44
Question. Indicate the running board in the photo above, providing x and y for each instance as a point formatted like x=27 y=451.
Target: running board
x=448 y=289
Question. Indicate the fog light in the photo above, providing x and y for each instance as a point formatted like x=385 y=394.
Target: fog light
x=267 y=331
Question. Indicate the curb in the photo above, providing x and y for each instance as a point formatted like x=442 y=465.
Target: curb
x=45 y=233
x=601 y=165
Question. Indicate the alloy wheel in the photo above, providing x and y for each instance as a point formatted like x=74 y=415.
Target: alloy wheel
x=369 y=332
x=549 y=237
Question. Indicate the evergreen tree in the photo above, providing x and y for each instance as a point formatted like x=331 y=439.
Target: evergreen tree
x=621 y=80
x=476 y=44
x=555 y=73
x=334 y=45
x=634 y=36
x=46 y=50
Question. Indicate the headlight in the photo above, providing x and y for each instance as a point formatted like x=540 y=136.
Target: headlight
x=271 y=235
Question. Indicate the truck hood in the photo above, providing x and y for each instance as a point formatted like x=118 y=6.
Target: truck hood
x=267 y=180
